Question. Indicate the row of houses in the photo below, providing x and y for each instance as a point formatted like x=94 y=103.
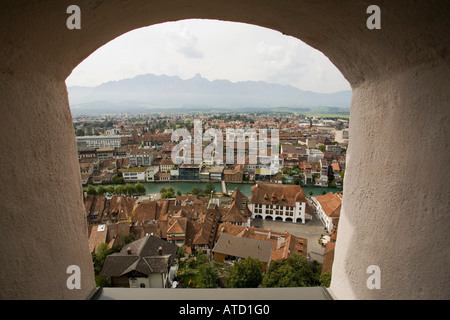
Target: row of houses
x=219 y=227
x=146 y=263
x=187 y=221
x=315 y=167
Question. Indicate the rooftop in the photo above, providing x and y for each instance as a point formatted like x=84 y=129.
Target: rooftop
x=244 y=247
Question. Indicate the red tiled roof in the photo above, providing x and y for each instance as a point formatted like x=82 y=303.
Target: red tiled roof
x=331 y=204
x=279 y=194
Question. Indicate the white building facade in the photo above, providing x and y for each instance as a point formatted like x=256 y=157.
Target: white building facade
x=279 y=202
x=100 y=141
x=328 y=209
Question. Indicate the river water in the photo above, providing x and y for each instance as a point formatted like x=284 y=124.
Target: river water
x=183 y=187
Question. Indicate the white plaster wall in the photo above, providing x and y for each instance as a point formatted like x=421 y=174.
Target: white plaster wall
x=396 y=195
x=43 y=225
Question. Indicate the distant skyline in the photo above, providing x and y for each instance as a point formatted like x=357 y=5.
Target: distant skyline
x=214 y=49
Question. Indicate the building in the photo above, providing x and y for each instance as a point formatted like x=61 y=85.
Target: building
x=164 y=176
x=150 y=173
x=324 y=168
x=105 y=153
x=142 y=157
x=238 y=212
x=135 y=174
x=335 y=149
x=312 y=142
x=166 y=165
x=234 y=175
x=99 y=141
x=314 y=155
x=284 y=244
x=176 y=231
x=86 y=153
x=328 y=208
x=236 y=248
x=341 y=136
x=144 y=263
x=212 y=173
x=294 y=152
x=118 y=208
x=279 y=202
x=189 y=171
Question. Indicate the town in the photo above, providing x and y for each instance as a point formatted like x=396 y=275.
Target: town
x=143 y=235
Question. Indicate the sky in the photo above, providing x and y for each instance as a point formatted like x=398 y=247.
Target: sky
x=216 y=50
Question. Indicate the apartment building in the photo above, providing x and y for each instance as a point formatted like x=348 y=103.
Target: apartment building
x=279 y=202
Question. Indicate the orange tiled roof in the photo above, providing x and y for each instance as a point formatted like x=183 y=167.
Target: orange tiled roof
x=279 y=194
x=331 y=204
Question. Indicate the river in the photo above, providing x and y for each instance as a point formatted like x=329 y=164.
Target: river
x=183 y=187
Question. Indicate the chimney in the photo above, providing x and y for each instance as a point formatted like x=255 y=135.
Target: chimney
x=128 y=250
x=160 y=251
x=274 y=198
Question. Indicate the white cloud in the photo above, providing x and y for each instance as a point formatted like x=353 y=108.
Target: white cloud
x=184 y=42
x=216 y=50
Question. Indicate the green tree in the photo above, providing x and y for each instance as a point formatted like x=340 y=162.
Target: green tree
x=292 y=272
x=100 y=256
x=167 y=195
x=196 y=191
x=181 y=251
x=245 y=274
x=281 y=276
x=101 y=190
x=110 y=189
x=342 y=174
x=128 y=238
x=325 y=279
x=129 y=189
x=210 y=188
x=208 y=275
x=118 y=190
x=117 y=178
x=140 y=189
x=91 y=190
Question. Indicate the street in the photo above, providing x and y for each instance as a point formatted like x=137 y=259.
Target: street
x=311 y=230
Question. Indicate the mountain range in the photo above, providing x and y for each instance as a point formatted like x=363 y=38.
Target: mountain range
x=153 y=93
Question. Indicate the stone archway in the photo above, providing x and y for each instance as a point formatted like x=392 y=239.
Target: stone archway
x=399 y=77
